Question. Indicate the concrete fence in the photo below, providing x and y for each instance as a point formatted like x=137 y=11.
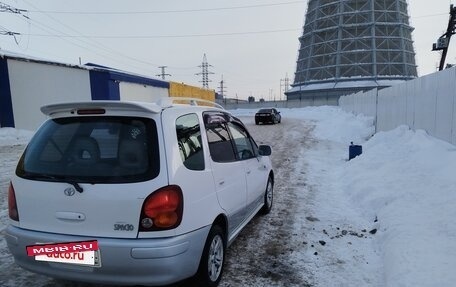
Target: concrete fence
x=427 y=103
x=304 y=102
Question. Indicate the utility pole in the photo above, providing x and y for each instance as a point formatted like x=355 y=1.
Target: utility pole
x=163 y=73
x=286 y=84
x=205 y=73
x=222 y=88
x=444 y=41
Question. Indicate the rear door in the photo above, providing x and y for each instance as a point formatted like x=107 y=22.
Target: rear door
x=89 y=175
x=228 y=171
x=189 y=167
x=255 y=168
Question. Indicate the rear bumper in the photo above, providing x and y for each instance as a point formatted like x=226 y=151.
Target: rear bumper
x=265 y=119
x=157 y=261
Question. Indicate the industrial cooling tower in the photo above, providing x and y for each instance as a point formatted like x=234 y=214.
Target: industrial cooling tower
x=349 y=46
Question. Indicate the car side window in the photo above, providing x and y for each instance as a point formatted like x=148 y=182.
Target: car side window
x=219 y=139
x=189 y=140
x=242 y=141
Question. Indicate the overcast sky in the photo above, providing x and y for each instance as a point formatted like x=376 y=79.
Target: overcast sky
x=253 y=44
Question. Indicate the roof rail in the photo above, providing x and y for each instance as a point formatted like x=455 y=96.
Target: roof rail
x=166 y=102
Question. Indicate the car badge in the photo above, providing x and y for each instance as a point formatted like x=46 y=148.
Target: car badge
x=69 y=191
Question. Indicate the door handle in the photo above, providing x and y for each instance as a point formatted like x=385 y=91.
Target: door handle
x=70 y=216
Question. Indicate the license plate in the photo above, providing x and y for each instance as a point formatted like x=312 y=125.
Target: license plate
x=79 y=253
x=86 y=258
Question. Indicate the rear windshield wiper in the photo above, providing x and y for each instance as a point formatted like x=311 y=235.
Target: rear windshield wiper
x=76 y=185
x=57 y=179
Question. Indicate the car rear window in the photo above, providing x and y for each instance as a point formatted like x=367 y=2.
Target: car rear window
x=93 y=149
x=265 y=111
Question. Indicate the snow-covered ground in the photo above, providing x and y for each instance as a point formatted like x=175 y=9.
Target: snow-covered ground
x=403 y=188
x=385 y=218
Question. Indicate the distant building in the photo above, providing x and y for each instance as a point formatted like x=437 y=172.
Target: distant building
x=352 y=46
x=28 y=83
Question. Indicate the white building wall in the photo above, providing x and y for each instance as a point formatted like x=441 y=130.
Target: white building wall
x=453 y=126
x=413 y=90
x=368 y=102
x=360 y=103
x=35 y=84
x=427 y=103
x=142 y=93
x=445 y=94
x=391 y=108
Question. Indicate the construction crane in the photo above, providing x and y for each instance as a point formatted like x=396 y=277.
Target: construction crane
x=444 y=41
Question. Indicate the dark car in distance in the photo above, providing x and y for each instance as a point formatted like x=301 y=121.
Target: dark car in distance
x=270 y=115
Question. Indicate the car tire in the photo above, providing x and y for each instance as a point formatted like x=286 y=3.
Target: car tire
x=212 y=261
x=268 y=197
x=257 y=122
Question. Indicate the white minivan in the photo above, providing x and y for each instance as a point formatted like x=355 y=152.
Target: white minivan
x=135 y=193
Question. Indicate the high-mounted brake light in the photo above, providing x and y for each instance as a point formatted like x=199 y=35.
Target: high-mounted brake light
x=92 y=112
x=12 y=206
x=162 y=209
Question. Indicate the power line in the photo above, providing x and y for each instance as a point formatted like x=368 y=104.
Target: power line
x=7 y=8
x=90 y=42
x=81 y=42
x=429 y=15
x=48 y=29
x=6 y=32
x=166 y=36
x=81 y=38
x=192 y=10
x=171 y=11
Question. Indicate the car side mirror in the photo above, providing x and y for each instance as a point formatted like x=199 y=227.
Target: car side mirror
x=264 y=150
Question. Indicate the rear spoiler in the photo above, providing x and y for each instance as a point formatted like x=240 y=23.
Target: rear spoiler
x=73 y=107
x=162 y=103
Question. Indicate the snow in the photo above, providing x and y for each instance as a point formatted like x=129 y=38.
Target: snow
x=384 y=218
x=402 y=186
x=11 y=136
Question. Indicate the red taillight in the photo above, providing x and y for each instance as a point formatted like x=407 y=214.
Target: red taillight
x=162 y=209
x=165 y=200
x=12 y=206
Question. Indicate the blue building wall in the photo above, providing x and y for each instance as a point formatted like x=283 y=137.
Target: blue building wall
x=104 y=85
x=6 y=106
x=104 y=82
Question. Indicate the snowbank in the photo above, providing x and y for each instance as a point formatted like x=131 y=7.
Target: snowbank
x=11 y=136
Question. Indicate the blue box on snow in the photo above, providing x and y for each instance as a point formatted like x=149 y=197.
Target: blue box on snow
x=354 y=151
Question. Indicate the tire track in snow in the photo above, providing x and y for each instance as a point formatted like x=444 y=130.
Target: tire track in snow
x=261 y=255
